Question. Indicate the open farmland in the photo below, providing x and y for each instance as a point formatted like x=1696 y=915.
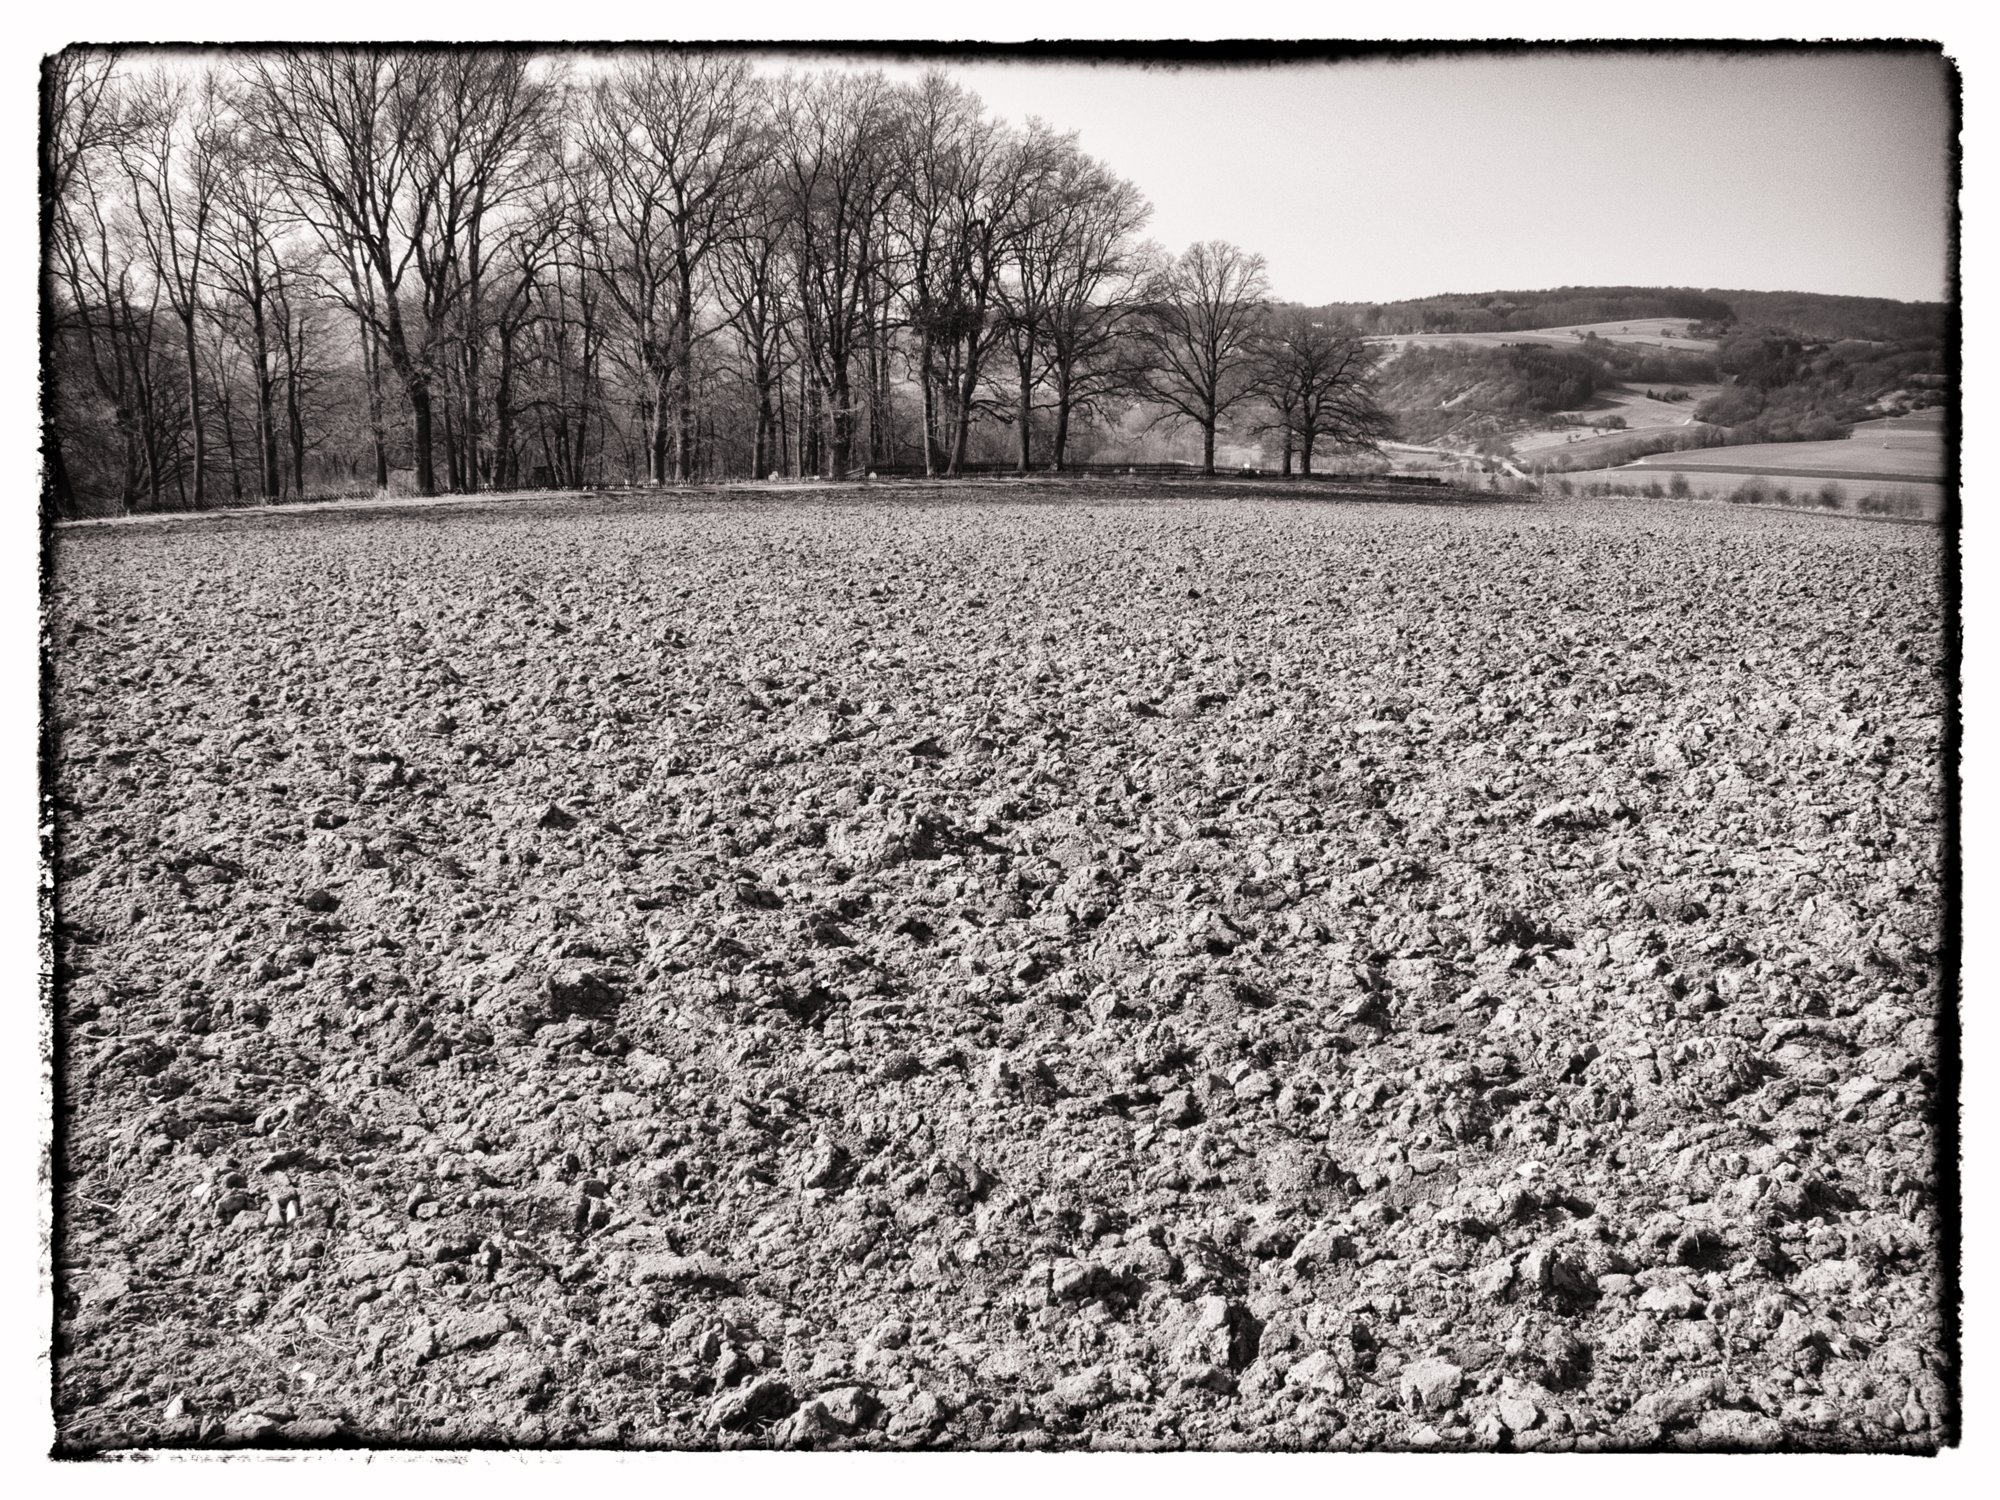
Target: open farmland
x=1643 y=416
x=1000 y=967
x=1931 y=417
x=1915 y=456
x=1641 y=411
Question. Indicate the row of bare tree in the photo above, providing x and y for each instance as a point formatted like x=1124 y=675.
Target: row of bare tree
x=482 y=269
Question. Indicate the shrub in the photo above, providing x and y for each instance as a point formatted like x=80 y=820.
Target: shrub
x=1898 y=501
x=1829 y=495
x=1679 y=487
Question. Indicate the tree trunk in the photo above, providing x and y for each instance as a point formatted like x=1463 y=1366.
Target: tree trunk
x=156 y=479
x=656 y=433
x=295 y=429
x=1286 y=470
x=475 y=338
x=470 y=457
x=59 y=496
x=760 y=457
x=1306 y=454
x=145 y=429
x=229 y=440
x=129 y=494
x=371 y=356
x=884 y=397
x=961 y=436
x=268 y=477
x=1026 y=367
x=784 y=429
x=454 y=454
x=420 y=409
x=804 y=423
x=296 y=425
x=812 y=427
x=268 y=480
x=416 y=377
x=1208 y=447
x=841 y=457
x=1060 y=446
x=685 y=434
x=56 y=492
x=194 y=411
x=872 y=375
x=504 y=477
x=926 y=354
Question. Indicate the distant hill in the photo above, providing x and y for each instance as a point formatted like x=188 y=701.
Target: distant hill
x=1810 y=315
x=1757 y=386
x=1813 y=315
x=1465 y=393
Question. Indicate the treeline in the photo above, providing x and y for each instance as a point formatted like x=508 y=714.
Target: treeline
x=1783 y=388
x=1812 y=315
x=1809 y=315
x=379 y=267
x=1507 y=312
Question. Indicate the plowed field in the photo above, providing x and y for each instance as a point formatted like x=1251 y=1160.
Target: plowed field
x=1000 y=967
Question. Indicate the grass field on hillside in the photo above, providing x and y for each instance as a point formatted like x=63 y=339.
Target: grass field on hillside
x=1644 y=416
x=1917 y=455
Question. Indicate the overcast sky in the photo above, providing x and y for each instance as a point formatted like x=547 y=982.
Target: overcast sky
x=1381 y=180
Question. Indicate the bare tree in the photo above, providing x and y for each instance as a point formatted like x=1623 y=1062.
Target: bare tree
x=990 y=219
x=111 y=311
x=248 y=231
x=1072 y=288
x=392 y=155
x=939 y=135
x=625 y=240
x=85 y=284
x=529 y=258
x=81 y=121
x=961 y=183
x=173 y=158
x=485 y=148
x=413 y=256
x=560 y=345
x=1023 y=291
x=1202 y=312
x=1318 y=378
x=832 y=135
x=749 y=278
x=669 y=139
x=295 y=318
